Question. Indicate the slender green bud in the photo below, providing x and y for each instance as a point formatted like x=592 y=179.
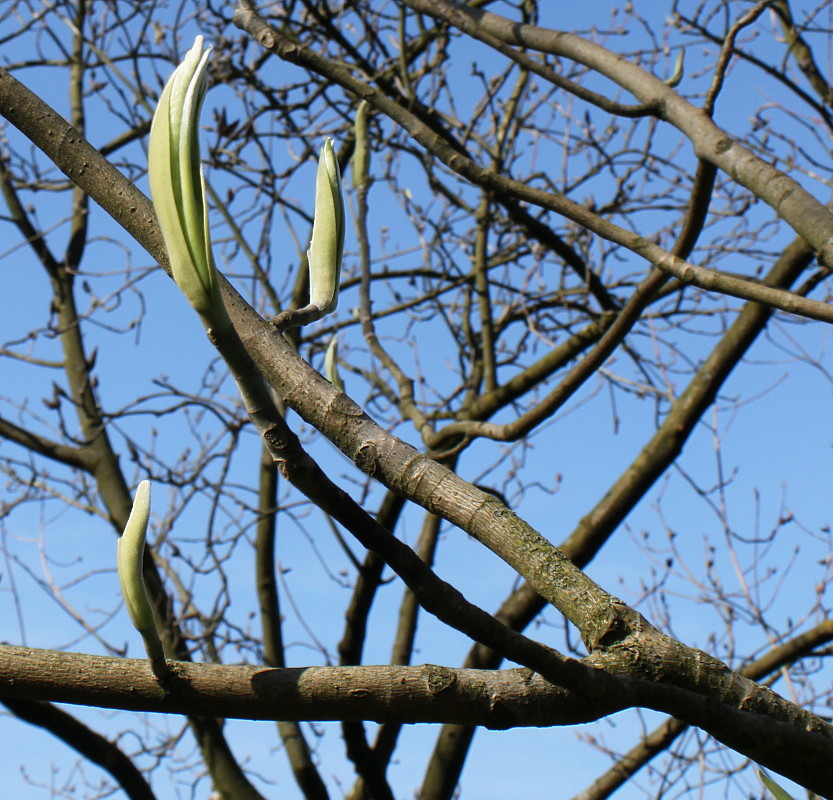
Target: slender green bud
x=331 y=364
x=777 y=792
x=327 y=243
x=130 y=555
x=178 y=187
x=361 y=152
x=677 y=75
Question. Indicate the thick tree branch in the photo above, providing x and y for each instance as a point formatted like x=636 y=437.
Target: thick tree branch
x=427 y=693
x=433 y=594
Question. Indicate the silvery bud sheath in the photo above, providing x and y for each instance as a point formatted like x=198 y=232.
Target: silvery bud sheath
x=327 y=243
x=178 y=189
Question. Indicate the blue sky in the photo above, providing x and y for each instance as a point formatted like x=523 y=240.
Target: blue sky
x=776 y=449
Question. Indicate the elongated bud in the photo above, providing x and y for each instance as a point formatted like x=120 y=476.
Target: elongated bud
x=361 y=153
x=130 y=556
x=326 y=246
x=677 y=75
x=777 y=792
x=331 y=364
x=327 y=243
x=178 y=188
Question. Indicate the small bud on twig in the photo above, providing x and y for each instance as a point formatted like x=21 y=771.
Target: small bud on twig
x=130 y=557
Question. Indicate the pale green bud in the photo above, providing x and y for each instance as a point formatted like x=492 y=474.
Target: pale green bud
x=327 y=243
x=361 y=153
x=331 y=364
x=677 y=75
x=777 y=792
x=130 y=556
x=178 y=188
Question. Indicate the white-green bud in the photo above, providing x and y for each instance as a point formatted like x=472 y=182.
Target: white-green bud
x=130 y=556
x=178 y=187
x=677 y=75
x=327 y=243
x=777 y=792
x=361 y=152
x=331 y=364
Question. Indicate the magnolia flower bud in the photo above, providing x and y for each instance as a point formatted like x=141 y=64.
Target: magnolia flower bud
x=130 y=555
x=178 y=187
x=777 y=792
x=327 y=243
x=361 y=153
x=331 y=364
x=677 y=75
